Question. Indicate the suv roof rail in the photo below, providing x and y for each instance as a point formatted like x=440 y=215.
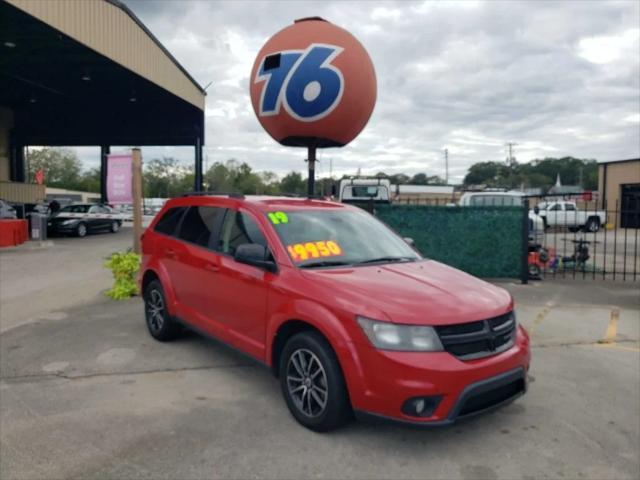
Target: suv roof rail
x=302 y=195
x=213 y=194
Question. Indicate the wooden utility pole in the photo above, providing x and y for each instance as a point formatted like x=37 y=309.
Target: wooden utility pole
x=136 y=178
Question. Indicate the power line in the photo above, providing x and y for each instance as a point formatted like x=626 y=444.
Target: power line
x=510 y=159
x=446 y=166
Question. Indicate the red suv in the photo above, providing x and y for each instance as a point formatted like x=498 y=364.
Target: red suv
x=342 y=309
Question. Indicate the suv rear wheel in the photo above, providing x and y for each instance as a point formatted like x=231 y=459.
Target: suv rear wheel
x=160 y=325
x=312 y=383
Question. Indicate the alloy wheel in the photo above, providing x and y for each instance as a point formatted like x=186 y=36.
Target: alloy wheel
x=307 y=382
x=155 y=310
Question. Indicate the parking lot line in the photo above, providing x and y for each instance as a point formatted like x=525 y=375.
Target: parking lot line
x=539 y=318
x=612 y=328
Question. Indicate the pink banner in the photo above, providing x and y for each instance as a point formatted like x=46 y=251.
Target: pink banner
x=119 y=179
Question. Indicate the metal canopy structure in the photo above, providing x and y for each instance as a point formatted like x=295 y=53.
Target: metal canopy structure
x=90 y=73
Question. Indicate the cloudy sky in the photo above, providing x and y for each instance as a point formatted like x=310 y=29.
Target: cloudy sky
x=557 y=78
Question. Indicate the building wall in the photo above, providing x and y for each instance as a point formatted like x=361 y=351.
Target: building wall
x=110 y=31
x=6 y=124
x=617 y=174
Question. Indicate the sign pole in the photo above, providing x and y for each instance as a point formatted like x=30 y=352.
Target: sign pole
x=311 y=158
x=136 y=156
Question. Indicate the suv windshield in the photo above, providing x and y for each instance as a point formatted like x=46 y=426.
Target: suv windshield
x=319 y=238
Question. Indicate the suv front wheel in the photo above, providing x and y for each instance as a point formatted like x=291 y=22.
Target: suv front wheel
x=312 y=383
x=160 y=324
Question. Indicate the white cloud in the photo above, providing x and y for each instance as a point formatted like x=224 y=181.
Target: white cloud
x=610 y=48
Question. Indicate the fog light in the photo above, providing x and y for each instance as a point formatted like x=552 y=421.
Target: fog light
x=420 y=406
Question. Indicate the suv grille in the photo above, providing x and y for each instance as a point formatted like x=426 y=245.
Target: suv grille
x=483 y=338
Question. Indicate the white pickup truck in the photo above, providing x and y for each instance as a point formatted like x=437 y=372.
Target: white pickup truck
x=566 y=214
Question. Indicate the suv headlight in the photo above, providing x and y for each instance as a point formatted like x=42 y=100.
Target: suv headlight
x=408 y=338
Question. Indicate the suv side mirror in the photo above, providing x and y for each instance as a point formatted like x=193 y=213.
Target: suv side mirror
x=255 y=255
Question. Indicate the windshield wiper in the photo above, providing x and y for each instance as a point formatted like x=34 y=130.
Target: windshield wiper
x=325 y=263
x=387 y=260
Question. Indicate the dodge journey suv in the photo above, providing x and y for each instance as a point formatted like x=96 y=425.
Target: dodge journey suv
x=347 y=315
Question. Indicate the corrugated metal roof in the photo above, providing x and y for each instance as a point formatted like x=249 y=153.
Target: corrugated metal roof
x=111 y=29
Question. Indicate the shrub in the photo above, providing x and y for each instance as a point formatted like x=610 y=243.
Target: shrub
x=124 y=266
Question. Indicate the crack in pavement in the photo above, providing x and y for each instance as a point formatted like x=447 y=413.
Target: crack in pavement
x=583 y=343
x=64 y=376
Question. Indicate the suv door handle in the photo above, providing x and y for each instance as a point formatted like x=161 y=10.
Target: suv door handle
x=170 y=252
x=211 y=267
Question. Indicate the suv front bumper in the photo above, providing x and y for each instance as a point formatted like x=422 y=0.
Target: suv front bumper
x=464 y=388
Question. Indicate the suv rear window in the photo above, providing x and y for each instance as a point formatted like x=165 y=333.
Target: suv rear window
x=169 y=221
x=199 y=223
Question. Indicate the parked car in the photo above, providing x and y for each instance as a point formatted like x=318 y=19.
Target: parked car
x=506 y=199
x=7 y=211
x=364 y=189
x=566 y=214
x=81 y=219
x=345 y=313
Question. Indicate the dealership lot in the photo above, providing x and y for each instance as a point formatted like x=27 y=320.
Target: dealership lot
x=85 y=392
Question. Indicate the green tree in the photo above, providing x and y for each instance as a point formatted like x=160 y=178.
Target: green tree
x=166 y=177
x=419 y=179
x=90 y=180
x=292 y=182
x=62 y=168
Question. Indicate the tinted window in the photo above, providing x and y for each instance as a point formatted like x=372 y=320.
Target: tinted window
x=199 y=223
x=495 y=200
x=76 y=209
x=555 y=208
x=169 y=221
x=239 y=229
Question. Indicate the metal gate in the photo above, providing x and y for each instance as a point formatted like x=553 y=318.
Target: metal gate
x=586 y=242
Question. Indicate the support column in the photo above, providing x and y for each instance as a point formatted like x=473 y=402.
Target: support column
x=136 y=155
x=198 y=167
x=104 y=151
x=311 y=180
x=16 y=161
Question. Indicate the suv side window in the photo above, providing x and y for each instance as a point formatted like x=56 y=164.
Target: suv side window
x=200 y=223
x=238 y=229
x=556 y=207
x=570 y=207
x=169 y=221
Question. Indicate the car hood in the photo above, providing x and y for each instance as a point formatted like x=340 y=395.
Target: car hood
x=417 y=293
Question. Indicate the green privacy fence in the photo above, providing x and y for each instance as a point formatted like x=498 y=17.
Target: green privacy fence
x=484 y=241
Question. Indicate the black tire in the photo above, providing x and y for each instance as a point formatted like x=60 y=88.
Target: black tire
x=593 y=225
x=115 y=226
x=534 y=272
x=160 y=324
x=81 y=230
x=337 y=409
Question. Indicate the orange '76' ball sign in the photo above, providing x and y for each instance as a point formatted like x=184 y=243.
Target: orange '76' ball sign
x=313 y=84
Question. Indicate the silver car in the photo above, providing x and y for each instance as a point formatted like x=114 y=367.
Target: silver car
x=7 y=211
